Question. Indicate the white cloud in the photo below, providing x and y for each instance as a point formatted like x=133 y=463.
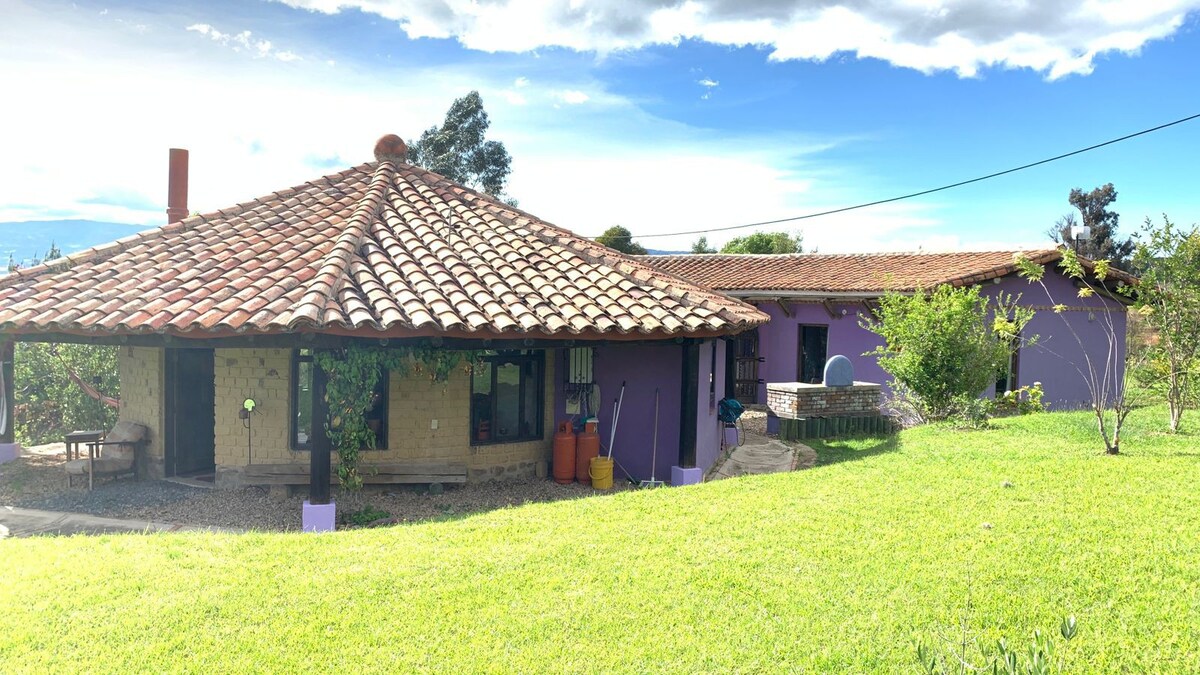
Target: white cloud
x=1057 y=38
x=654 y=175
x=244 y=41
x=573 y=97
x=708 y=83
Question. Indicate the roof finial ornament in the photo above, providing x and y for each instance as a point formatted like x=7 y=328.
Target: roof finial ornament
x=391 y=148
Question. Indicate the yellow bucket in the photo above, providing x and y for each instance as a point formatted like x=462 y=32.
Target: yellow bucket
x=601 y=471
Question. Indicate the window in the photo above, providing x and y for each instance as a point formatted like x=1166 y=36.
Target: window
x=745 y=366
x=507 y=398
x=810 y=366
x=303 y=404
x=1008 y=377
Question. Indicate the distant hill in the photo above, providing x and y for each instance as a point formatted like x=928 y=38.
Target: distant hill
x=29 y=240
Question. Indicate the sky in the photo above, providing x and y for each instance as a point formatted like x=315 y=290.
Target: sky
x=660 y=115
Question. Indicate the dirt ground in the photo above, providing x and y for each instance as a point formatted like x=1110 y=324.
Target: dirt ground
x=37 y=480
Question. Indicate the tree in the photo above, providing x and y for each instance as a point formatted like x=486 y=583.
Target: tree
x=1106 y=377
x=946 y=345
x=621 y=239
x=458 y=150
x=766 y=242
x=701 y=246
x=1104 y=242
x=1168 y=298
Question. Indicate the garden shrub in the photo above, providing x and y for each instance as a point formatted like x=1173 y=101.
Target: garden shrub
x=1023 y=401
x=947 y=344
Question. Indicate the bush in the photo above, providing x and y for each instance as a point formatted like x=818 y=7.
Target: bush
x=1023 y=401
x=947 y=345
x=971 y=412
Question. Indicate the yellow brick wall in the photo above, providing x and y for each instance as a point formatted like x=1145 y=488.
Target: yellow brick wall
x=141 y=373
x=413 y=404
x=260 y=374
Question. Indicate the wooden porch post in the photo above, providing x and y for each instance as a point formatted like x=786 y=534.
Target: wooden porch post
x=7 y=423
x=319 y=455
x=690 y=391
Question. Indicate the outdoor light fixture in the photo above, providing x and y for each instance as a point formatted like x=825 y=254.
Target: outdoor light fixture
x=247 y=408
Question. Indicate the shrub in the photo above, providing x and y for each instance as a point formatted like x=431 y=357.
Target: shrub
x=1023 y=401
x=946 y=344
x=971 y=412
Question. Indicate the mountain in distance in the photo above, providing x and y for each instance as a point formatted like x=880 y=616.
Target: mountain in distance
x=28 y=240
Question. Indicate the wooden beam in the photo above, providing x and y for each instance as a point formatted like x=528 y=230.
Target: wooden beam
x=828 y=305
x=319 y=470
x=783 y=306
x=689 y=406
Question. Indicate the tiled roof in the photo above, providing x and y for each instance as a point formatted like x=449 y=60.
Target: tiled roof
x=384 y=249
x=865 y=273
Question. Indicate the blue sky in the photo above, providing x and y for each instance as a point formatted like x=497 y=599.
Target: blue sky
x=658 y=115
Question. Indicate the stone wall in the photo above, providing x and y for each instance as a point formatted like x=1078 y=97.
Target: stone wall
x=796 y=400
x=141 y=372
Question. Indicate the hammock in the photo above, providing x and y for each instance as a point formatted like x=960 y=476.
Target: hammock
x=88 y=389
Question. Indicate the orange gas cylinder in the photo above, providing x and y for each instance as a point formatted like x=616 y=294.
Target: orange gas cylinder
x=564 y=454
x=587 y=446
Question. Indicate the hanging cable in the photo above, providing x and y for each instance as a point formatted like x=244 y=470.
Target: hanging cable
x=910 y=195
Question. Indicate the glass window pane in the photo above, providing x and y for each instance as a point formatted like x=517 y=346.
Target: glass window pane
x=508 y=401
x=529 y=423
x=481 y=402
x=303 y=397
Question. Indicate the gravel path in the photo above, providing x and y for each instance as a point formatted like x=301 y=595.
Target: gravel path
x=38 y=481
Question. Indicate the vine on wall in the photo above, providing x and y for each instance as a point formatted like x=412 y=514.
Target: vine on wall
x=351 y=376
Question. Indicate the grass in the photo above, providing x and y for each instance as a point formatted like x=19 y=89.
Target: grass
x=837 y=568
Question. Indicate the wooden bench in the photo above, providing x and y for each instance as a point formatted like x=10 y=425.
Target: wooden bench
x=395 y=473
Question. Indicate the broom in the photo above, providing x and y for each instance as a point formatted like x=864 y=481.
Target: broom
x=654 y=453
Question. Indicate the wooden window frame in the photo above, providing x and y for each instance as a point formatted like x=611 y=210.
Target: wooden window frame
x=381 y=440
x=800 y=347
x=537 y=357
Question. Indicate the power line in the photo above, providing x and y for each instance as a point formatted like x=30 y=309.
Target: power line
x=922 y=192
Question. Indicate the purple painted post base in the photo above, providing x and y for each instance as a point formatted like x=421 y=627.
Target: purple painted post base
x=9 y=452
x=318 y=517
x=686 y=475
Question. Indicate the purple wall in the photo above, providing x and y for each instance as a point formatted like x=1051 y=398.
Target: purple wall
x=1058 y=357
x=778 y=341
x=643 y=367
x=1055 y=361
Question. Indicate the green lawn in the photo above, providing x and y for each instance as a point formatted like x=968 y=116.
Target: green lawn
x=838 y=568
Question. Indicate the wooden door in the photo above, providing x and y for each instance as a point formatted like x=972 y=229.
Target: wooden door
x=191 y=409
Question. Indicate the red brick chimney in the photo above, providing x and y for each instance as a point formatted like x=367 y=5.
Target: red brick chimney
x=177 y=186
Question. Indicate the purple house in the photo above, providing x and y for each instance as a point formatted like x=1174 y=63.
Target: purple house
x=215 y=310
x=816 y=302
